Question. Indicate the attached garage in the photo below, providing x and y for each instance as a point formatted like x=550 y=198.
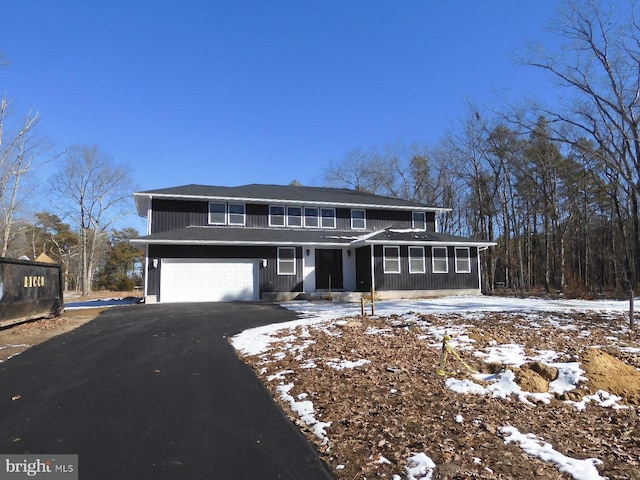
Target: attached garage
x=208 y=280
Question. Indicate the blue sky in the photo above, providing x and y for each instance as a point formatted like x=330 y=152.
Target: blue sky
x=236 y=92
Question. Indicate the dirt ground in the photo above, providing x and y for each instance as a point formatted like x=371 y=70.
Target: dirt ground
x=397 y=404
x=15 y=339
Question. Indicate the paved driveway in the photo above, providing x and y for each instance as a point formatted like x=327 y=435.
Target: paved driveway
x=154 y=392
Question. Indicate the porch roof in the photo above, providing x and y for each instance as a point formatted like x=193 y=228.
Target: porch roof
x=208 y=235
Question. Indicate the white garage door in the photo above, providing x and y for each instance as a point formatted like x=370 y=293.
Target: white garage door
x=206 y=280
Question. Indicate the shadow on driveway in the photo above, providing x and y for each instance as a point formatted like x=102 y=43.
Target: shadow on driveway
x=154 y=392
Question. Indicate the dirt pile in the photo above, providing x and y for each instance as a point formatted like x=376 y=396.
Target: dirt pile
x=606 y=372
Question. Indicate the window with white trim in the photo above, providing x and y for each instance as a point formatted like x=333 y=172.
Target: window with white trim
x=391 y=259
x=294 y=216
x=419 y=220
x=276 y=216
x=286 y=261
x=358 y=219
x=463 y=260
x=217 y=213
x=328 y=217
x=236 y=214
x=311 y=217
x=416 y=260
x=439 y=260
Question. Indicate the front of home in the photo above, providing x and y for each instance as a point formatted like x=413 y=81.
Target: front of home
x=276 y=242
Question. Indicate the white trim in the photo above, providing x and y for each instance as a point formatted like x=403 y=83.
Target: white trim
x=373 y=268
x=244 y=214
x=323 y=217
x=384 y=260
x=424 y=266
x=284 y=216
x=455 y=255
x=413 y=223
x=364 y=218
x=209 y=222
x=279 y=261
x=301 y=208
x=446 y=257
x=317 y=217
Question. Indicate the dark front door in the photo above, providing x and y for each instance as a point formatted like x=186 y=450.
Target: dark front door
x=328 y=269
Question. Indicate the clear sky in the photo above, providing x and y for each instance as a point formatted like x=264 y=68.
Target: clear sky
x=235 y=92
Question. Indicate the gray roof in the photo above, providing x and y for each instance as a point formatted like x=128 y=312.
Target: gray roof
x=416 y=237
x=279 y=194
x=210 y=235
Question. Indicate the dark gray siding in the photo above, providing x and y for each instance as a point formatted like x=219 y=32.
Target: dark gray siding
x=428 y=280
x=269 y=280
x=257 y=215
x=175 y=214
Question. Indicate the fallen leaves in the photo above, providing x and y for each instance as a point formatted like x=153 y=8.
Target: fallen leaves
x=396 y=405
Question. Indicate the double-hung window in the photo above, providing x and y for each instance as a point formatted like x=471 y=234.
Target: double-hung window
x=236 y=214
x=286 y=261
x=276 y=216
x=463 y=260
x=294 y=216
x=439 y=260
x=358 y=219
x=391 y=259
x=217 y=213
x=419 y=220
x=416 y=260
x=328 y=217
x=311 y=217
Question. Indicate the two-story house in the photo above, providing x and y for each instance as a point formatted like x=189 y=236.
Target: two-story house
x=275 y=242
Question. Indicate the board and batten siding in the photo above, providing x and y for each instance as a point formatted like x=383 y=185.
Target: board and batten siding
x=428 y=280
x=269 y=280
x=176 y=214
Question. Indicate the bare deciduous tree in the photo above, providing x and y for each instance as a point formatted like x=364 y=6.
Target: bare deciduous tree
x=19 y=150
x=94 y=192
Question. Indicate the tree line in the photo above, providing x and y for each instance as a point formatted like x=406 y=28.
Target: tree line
x=557 y=187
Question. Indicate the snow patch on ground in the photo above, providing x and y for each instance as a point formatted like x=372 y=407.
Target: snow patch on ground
x=533 y=445
x=502 y=385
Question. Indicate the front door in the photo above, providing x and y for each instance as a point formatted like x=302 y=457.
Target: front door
x=328 y=269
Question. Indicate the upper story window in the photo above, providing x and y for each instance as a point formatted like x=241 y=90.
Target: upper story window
x=391 y=259
x=217 y=213
x=463 y=260
x=276 y=216
x=358 y=219
x=439 y=260
x=223 y=214
x=294 y=216
x=416 y=260
x=311 y=217
x=236 y=214
x=328 y=216
x=419 y=220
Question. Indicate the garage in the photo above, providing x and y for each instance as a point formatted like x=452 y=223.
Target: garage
x=208 y=280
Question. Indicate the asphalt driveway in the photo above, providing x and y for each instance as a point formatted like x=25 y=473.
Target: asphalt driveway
x=154 y=392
